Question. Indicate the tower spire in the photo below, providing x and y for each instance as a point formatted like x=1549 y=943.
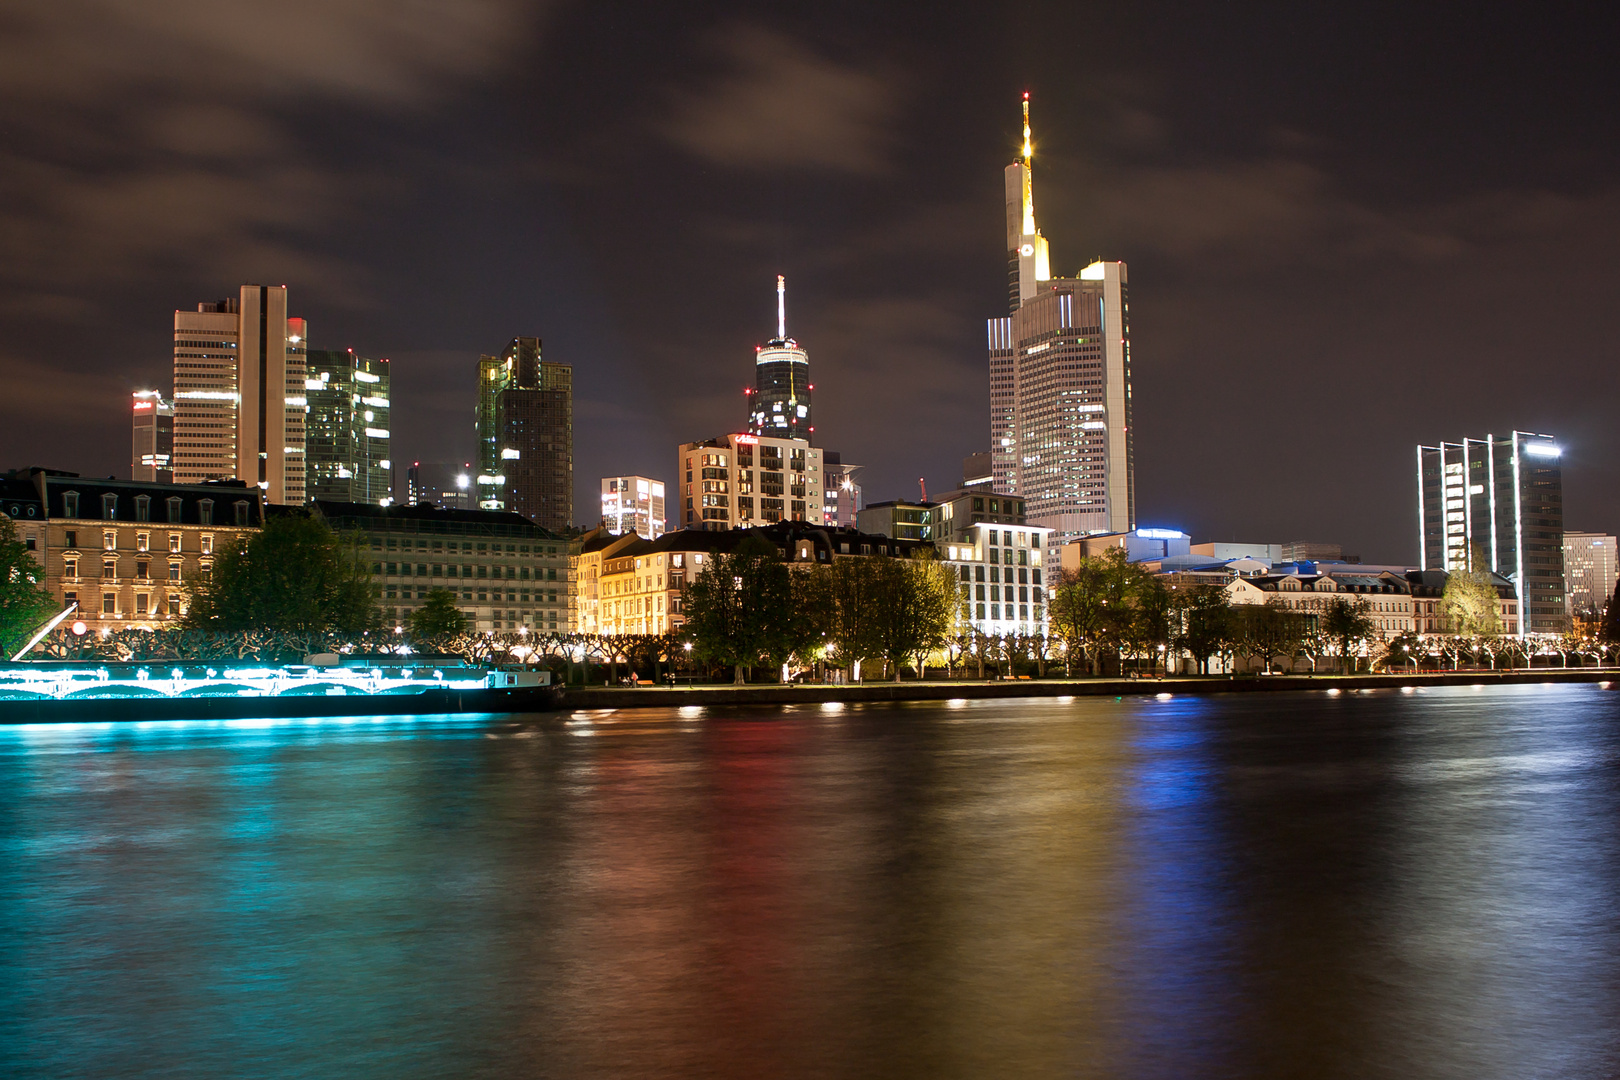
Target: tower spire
x=781 y=307
x=1028 y=149
x=1029 y=192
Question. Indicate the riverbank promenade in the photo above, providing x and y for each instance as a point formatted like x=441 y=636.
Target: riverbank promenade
x=715 y=694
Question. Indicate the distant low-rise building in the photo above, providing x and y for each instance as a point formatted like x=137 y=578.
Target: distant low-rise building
x=1310 y=551
x=506 y=572
x=1268 y=553
x=1139 y=545
x=440 y=483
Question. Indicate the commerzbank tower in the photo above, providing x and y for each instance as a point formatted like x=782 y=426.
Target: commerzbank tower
x=1060 y=381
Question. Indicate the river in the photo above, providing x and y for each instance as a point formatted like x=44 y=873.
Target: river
x=1378 y=884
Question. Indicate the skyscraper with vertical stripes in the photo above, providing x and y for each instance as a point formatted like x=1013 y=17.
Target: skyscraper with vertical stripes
x=1060 y=381
x=239 y=393
x=1497 y=504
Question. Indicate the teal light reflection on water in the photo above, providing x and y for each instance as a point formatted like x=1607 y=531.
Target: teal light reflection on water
x=1242 y=885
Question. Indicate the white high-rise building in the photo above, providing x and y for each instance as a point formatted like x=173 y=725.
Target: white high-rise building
x=239 y=399
x=633 y=504
x=746 y=481
x=1060 y=381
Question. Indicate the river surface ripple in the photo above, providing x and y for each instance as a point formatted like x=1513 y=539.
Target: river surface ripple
x=1374 y=884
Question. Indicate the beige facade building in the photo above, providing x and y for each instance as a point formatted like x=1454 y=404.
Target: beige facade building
x=123 y=550
x=628 y=585
x=239 y=400
x=506 y=573
x=748 y=481
x=1388 y=596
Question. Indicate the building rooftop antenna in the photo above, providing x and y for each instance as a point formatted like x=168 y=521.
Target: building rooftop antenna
x=781 y=307
x=1029 y=151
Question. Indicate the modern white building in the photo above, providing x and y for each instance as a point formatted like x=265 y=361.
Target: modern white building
x=633 y=504
x=1000 y=569
x=1591 y=568
x=1060 y=381
x=239 y=393
x=746 y=481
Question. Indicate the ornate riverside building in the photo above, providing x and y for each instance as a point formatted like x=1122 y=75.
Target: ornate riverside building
x=122 y=550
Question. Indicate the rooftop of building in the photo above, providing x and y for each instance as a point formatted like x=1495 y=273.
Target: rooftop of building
x=427 y=517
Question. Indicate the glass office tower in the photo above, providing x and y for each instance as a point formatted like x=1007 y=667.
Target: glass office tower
x=1499 y=499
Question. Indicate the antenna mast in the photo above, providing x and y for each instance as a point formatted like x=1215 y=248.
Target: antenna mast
x=781 y=307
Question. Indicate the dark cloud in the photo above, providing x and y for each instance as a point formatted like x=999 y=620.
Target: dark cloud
x=1342 y=240
x=150 y=136
x=777 y=104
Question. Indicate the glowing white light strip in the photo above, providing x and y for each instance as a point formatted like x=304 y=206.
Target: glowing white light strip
x=248 y=682
x=47 y=628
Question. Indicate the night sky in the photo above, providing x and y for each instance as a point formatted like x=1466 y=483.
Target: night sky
x=1348 y=230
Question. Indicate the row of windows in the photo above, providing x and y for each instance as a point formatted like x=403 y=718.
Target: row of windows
x=538 y=596
x=422 y=544
x=1024 y=612
x=144 y=604
x=109 y=569
x=143 y=541
x=464 y=570
x=1003 y=592
x=174 y=506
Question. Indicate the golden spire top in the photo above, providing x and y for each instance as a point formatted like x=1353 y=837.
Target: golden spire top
x=1029 y=151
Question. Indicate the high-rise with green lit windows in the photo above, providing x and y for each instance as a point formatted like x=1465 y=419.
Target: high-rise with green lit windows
x=347 y=428
x=525 y=429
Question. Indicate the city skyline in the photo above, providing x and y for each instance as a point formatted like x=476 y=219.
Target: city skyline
x=1285 y=247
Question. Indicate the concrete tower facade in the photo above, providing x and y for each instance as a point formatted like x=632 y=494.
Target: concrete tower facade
x=239 y=393
x=1060 y=381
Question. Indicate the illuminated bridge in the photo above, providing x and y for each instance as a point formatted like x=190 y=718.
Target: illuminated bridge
x=130 y=681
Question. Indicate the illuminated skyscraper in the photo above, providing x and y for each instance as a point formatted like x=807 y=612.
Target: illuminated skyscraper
x=1591 y=567
x=152 y=449
x=1060 y=381
x=1500 y=499
x=239 y=393
x=633 y=504
x=779 y=404
x=526 y=435
x=347 y=427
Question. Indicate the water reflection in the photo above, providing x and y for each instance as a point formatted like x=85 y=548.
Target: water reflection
x=1258 y=885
